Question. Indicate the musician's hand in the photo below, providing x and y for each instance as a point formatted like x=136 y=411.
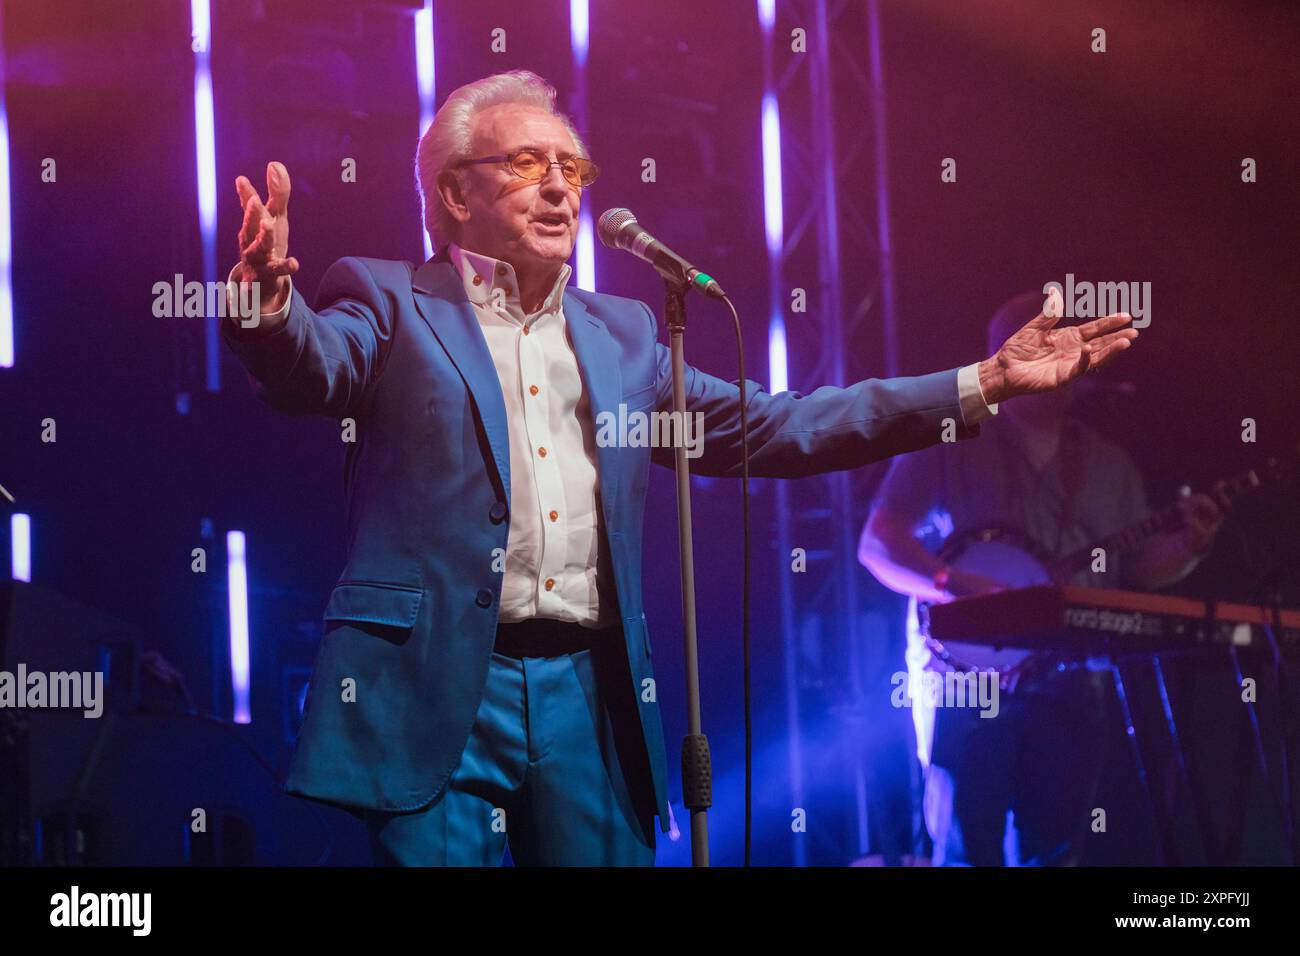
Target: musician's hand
x=264 y=237
x=962 y=584
x=1040 y=357
x=1202 y=519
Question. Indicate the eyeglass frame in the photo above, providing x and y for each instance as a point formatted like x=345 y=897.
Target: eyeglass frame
x=508 y=160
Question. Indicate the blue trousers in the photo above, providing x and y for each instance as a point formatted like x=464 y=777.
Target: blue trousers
x=554 y=768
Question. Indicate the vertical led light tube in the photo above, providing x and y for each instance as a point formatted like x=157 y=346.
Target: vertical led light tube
x=424 y=70
x=20 y=538
x=6 y=236
x=205 y=153
x=237 y=588
x=579 y=34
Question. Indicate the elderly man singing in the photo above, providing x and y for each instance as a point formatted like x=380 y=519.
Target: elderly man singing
x=485 y=676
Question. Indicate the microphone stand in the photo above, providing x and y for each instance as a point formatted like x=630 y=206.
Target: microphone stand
x=697 y=770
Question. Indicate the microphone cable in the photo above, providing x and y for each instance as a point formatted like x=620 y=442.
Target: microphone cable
x=744 y=600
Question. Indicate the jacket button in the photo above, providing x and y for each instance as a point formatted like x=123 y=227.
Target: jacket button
x=483 y=598
x=498 y=511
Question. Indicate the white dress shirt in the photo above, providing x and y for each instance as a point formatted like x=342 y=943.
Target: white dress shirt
x=557 y=562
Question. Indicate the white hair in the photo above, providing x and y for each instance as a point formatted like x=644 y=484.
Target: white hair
x=447 y=140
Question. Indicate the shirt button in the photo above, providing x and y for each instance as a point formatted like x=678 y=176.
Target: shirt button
x=555 y=516
x=483 y=598
x=478 y=279
x=509 y=291
x=501 y=270
x=498 y=511
x=542 y=452
x=525 y=330
x=550 y=583
x=532 y=389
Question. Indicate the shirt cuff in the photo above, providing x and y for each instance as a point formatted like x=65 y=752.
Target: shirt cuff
x=974 y=408
x=268 y=320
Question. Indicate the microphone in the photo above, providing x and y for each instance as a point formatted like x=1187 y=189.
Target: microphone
x=619 y=229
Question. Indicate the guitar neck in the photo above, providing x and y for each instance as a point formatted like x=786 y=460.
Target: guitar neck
x=1129 y=539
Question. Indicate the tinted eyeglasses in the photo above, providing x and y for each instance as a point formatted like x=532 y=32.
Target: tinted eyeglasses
x=533 y=164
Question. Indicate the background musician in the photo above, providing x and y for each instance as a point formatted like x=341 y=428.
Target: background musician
x=1044 y=474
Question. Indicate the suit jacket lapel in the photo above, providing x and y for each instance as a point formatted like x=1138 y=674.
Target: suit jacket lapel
x=442 y=302
x=597 y=356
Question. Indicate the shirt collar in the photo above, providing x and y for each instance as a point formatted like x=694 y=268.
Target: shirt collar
x=482 y=276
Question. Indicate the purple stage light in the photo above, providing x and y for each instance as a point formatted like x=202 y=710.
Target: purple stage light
x=586 y=252
x=424 y=69
x=205 y=153
x=20 y=537
x=237 y=586
x=6 y=238
x=773 y=217
x=579 y=27
x=773 y=212
x=776 y=354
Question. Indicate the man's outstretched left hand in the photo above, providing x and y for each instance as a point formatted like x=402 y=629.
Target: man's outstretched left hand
x=1041 y=357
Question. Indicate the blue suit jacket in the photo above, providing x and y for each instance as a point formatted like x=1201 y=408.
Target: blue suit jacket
x=413 y=616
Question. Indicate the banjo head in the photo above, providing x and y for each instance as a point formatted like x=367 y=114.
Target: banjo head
x=1004 y=556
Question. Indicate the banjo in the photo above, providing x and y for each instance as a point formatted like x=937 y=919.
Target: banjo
x=1008 y=556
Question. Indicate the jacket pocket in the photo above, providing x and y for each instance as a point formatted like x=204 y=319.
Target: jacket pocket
x=394 y=605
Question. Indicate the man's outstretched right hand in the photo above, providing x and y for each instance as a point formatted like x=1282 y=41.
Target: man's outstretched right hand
x=264 y=238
